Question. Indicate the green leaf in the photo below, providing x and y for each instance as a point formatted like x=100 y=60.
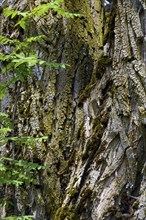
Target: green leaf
x=4 y=131
x=13 y=14
x=2 y=167
x=6 y=40
x=8 y=12
x=27 y=217
x=21 y=59
x=23 y=23
x=5 y=120
x=3 y=90
x=42 y=62
x=34 y=39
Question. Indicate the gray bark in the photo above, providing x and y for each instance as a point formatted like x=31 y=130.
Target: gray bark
x=94 y=114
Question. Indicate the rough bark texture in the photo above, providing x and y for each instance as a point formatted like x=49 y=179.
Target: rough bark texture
x=94 y=114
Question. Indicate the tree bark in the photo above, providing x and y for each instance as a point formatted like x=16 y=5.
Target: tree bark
x=93 y=112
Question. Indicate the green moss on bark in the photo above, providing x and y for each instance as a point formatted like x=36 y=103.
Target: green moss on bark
x=65 y=213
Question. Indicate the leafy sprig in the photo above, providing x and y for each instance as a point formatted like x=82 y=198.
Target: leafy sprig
x=38 y=11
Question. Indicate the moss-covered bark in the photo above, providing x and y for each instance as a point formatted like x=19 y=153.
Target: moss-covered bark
x=93 y=113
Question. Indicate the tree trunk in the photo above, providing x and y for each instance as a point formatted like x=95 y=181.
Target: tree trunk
x=93 y=112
